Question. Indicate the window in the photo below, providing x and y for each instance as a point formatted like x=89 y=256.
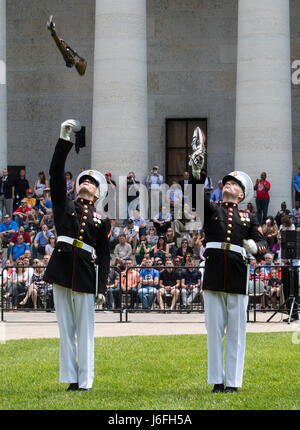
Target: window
x=179 y=133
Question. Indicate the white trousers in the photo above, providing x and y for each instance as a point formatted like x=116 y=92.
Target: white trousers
x=75 y=317
x=225 y=311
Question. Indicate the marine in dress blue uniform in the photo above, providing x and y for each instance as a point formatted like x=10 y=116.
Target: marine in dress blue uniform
x=230 y=233
x=83 y=242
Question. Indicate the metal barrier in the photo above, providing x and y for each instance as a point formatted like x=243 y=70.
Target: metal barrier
x=130 y=298
x=111 y=291
x=17 y=286
x=158 y=298
x=263 y=297
x=38 y=297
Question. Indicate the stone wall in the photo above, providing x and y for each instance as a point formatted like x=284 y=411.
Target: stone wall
x=42 y=92
x=295 y=55
x=192 y=74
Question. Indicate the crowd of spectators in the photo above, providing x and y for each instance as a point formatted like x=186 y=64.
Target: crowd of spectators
x=165 y=256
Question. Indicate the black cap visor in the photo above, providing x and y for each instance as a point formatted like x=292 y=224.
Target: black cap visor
x=233 y=178
x=90 y=178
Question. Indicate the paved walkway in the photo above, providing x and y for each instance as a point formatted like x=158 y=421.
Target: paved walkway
x=34 y=325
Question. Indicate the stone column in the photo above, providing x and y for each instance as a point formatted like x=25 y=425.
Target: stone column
x=263 y=99
x=120 y=123
x=3 y=104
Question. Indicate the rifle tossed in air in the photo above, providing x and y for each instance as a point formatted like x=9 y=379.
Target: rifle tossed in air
x=70 y=56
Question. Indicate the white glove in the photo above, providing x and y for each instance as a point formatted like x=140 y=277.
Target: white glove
x=100 y=299
x=67 y=127
x=250 y=246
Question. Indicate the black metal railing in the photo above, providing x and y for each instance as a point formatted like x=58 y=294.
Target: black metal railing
x=22 y=287
x=142 y=297
x=274 y=294
x=130 y=296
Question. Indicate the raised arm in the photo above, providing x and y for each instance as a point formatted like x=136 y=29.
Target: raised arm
x=57 y=166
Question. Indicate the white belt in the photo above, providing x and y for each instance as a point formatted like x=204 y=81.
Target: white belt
x=78 y=244
x=227 y=247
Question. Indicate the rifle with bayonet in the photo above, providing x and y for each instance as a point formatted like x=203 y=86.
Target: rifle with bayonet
x=70 y=56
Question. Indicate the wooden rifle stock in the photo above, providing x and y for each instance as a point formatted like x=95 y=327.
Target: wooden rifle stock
x=70 y=56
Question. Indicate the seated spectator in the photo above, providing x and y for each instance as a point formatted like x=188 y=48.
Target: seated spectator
x=131 y=287
x=171 y=241
x=31 y=201
x=183 y=250
x=132 y=234
x=47 y=197
x=169 y=283
x=27 y=254
x=18 y=284
x=177 y=265
x=114 y=235
x=7 y=229
x=190 y=284
x=217 y=194
x=267 y=265
x=276 y=250
x=152 y=237
x=41 y=241
x=250 y=208
x=197 y=244
x=259 y=276
x=48 y=220
x=37 y=284
x=26 y=236
x=286 y=224
x=29 y=270
x=42 y=208
x=139 y=222
x=161 y=249
x=174 y=197
x=7 y=279
x=187 y=223
x=2 y=260
x=158 y=264
x=46 y=259
x=23 y=214
x=296 y=214
x=274 y=286
x=149 y=280
x=18 y=249
x=113 y=289
x=52 y=239
x=123 y=250
x=141 y=249
x=282 y=213
x=270 y=231
x=40 y=185
x=70 y=185
x=162 y=221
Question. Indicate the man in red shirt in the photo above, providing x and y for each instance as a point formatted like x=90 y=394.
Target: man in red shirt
x=27 y=239
x=23 y=213
x=262 y=188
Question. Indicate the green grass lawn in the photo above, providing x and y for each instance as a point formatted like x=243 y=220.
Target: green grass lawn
x=155 y=372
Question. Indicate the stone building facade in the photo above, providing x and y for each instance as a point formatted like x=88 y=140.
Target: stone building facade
x=228 y=62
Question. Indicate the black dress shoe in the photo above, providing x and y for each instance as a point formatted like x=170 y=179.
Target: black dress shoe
x=231 y=390
x=291 y=320
x=73 y=386
x=218 y=388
